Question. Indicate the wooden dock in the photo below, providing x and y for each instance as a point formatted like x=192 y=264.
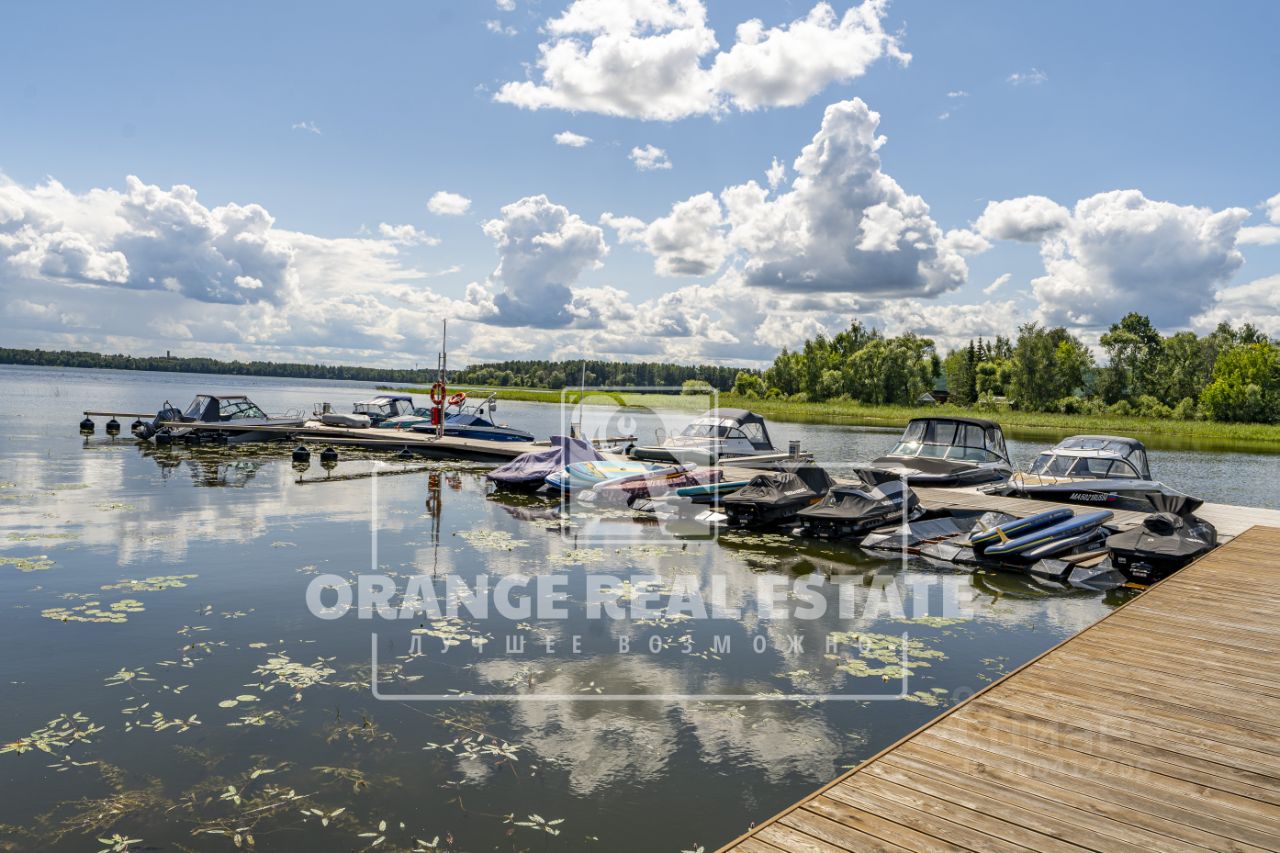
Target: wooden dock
x=1230 y=520
x=1157 y=728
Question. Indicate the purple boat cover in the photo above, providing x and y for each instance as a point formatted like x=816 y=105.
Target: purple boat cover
x=530 y=469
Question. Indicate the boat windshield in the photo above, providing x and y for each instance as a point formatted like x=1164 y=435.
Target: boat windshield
x=711 y=429
x=197 y=407
x=952 y=440
x=238 y=408
x=1085 y=467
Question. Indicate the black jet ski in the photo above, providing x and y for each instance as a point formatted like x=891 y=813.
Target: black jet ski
x=774 y=497
x=851 y=511
x=1165 y=541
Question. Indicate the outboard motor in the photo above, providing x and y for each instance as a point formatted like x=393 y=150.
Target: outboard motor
x=143 y=430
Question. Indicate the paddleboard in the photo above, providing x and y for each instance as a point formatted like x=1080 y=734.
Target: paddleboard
x=1020 y=526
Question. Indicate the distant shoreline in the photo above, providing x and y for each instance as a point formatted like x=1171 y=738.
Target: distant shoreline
x=1265 y=436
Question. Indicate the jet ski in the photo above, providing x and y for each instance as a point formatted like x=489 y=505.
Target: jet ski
x=774 y=497
x=1165 y=542
x=943 y=452
x=848 y=511
x=529 y=471
x=1096 y=470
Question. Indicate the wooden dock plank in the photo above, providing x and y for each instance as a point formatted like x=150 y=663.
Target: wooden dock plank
x=1157 y=728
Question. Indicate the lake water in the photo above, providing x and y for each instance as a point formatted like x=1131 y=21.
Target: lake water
x=165 y=679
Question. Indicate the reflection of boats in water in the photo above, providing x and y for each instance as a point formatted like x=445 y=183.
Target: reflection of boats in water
x=944 y=452
x=235 y=410
x=1098 y=470
x=717 y=435
x=205 y=470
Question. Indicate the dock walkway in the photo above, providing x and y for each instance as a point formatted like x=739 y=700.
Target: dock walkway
x=1157 y=728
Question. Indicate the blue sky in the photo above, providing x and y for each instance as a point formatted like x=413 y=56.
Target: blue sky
x=336 y=118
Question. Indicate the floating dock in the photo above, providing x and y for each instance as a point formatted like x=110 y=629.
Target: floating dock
x=1156 y=728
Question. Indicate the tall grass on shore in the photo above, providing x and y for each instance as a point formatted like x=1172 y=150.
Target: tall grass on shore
x=846 y=411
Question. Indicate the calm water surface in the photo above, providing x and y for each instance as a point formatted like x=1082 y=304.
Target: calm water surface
x=157 y=599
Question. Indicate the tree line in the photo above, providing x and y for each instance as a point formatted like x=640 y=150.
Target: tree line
x=174 y=364
x=568 y=374
x=1229 y=374
x=525 y=374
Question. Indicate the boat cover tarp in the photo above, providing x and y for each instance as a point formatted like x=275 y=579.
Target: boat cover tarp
x=851 y=502
x=796 y=483
x=531 y=469
x=1162 y=544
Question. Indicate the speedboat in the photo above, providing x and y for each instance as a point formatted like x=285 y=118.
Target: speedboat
x=773 y=498
x=235 y=411
x=475 y=421
x=1097 y=470
x=374 y=412
x=943 y=451
x=718 y=434
x=666 y=482
x=849 y=511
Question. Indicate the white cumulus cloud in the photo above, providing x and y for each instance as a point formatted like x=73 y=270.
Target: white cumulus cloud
x=445 y=203
x=843 y=226
x=1120 y=251
x=571 y=139
x=407 y=234
x=690 y=240
x=1028 y=219
x=543 y=248
x=650 y=157
x=658 y=59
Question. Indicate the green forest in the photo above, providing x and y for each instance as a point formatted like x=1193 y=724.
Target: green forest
x=174 y=364
x=1229 y=375
x=514 y=374
x=568 y=374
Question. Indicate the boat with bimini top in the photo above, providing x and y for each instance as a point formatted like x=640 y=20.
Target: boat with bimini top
x=943 y=451
x=235 y=411
x=1096 y=470
x=719 y=434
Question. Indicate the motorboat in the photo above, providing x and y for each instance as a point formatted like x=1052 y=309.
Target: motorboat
x=773 y=498
x=474 y=421
x=718 y=434
x=1097 y=470
x=849 y=511
x=235 y=412
x=529 y=471
x=943 y=451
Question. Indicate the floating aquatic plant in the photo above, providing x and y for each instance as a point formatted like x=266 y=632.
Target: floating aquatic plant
x=60 y=732
x=116 y=613
x=151 y=584
x=492 y=540
x=28 y=564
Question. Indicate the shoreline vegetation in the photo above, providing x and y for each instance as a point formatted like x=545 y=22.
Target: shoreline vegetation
x=852 y=412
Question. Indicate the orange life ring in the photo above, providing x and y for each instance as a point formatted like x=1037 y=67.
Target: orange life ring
x=437 y=393
x=458 y=399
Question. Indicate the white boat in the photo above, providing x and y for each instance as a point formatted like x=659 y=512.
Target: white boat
x=719 y=434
